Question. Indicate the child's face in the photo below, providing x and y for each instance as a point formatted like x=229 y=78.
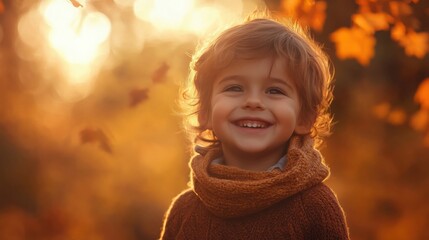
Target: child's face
x=255 y=111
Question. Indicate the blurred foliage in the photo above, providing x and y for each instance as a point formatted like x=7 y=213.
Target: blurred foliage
x=93 y=149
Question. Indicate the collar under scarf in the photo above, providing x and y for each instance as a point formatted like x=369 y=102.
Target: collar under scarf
x=279 y=164
x=230 y=192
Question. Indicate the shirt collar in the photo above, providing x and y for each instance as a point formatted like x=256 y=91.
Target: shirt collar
x=279 y=165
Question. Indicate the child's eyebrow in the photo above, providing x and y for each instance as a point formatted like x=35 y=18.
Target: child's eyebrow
x=243 y=78
x=281 y=81
x=232 y=77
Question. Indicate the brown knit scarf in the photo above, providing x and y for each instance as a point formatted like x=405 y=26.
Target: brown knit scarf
x=232 y=192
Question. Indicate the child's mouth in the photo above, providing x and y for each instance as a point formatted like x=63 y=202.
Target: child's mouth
x=252 y=124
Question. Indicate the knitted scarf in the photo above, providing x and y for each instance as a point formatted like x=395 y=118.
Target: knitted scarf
x=230 y=192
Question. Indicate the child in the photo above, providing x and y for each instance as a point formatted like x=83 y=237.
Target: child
x=259 y=93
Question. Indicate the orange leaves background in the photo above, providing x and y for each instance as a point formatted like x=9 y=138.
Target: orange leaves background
x=354 y=43
x=420 y=119
x=373 y=16
x=106 y=165
x=415 y=44
x=358 y=41
x=309 y=12
x=422 y=94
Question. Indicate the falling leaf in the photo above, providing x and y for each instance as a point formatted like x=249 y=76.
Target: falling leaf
x=354 y=43
x=89 y=135
x=381 y=110
x=419 y=121
x=371 y=22
x=415 y=44
x=138 y=95
x=397 y=117
x=422 y=94
x=159 y=74
x=76 y=3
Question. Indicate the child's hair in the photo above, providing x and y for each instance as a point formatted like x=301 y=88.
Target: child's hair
x=306 y=64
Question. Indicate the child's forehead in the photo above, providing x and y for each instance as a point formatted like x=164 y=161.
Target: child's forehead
x=256 y=72
x=268 y=66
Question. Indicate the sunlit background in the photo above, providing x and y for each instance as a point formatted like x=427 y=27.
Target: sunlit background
x=91 y=145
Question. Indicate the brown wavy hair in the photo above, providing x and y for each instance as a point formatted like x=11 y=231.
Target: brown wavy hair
x=306 y=63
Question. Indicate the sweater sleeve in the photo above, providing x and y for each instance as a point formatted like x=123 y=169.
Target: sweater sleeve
x=326 y=217
x=173 y=218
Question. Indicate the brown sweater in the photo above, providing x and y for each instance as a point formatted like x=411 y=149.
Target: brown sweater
x=230 y=203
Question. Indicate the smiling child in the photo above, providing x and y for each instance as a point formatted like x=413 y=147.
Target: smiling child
x=260 y=92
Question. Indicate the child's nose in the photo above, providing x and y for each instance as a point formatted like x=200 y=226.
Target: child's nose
x=253 y=101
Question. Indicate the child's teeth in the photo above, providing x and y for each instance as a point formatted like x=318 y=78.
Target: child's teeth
x=252 y=124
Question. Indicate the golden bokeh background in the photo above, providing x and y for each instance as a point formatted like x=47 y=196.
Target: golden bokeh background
x=91 y=145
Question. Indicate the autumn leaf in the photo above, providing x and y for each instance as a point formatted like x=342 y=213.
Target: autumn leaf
x=308 y=13
x=381 y=110
x=368 y=6
x=400 y=9
x=290 y=7
x=398 y=31
x=318 y=16
x=89 y=135
x=354 y=43
x=137 y=96
x=315 y=15
x=397 y=117
x=419 y=121
x=76 y=3
x=422 y=94
x=371 y=22
x=415 y=44
x=159 y=74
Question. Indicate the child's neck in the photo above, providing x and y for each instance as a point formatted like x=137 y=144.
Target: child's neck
x=252 y=161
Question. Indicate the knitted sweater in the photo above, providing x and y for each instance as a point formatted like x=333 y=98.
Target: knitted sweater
x=229 y=203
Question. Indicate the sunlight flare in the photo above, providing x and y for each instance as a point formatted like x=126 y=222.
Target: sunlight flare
x=188 y=16
x=78 y=38
x=74 y=35
x=163 y=13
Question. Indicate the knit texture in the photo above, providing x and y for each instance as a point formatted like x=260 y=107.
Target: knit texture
x=232 y=192
x=229 y=203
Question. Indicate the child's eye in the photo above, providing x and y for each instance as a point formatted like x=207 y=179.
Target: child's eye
x=275 y=91
x=233 y=88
